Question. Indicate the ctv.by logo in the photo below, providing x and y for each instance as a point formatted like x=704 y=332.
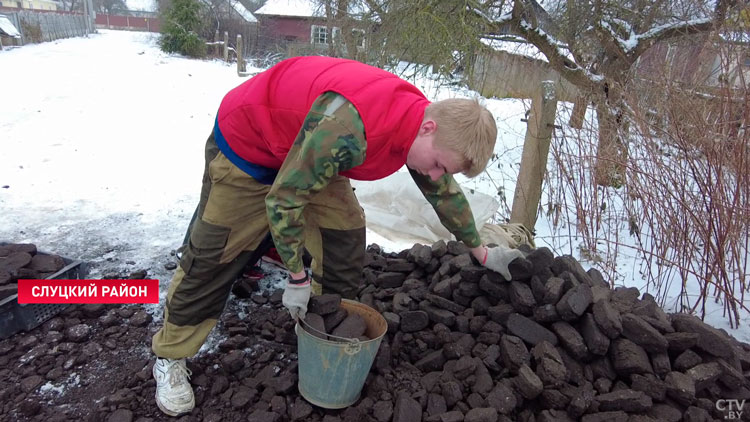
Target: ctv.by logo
x=732 y=408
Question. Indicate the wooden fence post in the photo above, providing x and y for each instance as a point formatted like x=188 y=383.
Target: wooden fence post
x=226 y=46
x=539 y=128
x=68 y=27
x=216 y=43
x=85 y=6
x=579 y=112
x=46 y=35
x=240 y=59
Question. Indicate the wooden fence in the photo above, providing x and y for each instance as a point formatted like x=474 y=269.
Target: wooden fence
x=504 y=75
x=40 y=26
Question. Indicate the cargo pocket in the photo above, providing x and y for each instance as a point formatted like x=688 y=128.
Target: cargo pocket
x=219 y=168
x=204 y=251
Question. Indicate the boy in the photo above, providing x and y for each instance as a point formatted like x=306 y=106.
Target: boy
x=283 y=148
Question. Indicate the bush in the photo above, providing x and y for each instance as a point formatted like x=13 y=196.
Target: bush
x=182 y=24
x=682 y=208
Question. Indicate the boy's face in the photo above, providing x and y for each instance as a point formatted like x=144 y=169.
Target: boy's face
x=427 y=159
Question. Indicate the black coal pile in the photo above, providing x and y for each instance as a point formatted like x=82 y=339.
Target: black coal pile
x=555 y=343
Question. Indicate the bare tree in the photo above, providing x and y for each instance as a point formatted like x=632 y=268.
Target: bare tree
x=70 y=5
x=441 y=34
x=344 y=21
x=606 y=39
x=594 y=44
x=110 y=6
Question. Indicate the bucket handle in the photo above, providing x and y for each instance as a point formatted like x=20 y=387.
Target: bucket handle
x=353 y=345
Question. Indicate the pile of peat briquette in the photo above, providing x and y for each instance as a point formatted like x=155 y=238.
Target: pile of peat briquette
x=553 y=344
x=21 y=261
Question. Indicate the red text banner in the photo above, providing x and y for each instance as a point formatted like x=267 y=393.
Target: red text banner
x=88 y=291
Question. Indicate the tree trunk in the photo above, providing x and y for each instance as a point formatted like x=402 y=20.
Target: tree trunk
x=611 y=154
x=330 y=23
x=347 y=41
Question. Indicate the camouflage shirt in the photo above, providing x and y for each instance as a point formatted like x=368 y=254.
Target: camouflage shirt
x=332 y=140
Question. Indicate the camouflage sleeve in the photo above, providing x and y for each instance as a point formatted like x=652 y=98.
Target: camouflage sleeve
x=332 y=139
x=451 y=206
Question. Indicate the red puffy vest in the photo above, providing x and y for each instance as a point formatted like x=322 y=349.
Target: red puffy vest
x=261 y=117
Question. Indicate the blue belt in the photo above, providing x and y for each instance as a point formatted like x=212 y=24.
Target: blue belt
x=262 y=174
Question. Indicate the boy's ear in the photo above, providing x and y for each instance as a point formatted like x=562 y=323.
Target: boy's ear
x=428 y=127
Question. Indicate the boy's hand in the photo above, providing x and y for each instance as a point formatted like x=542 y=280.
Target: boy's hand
x=499 y=257
x=295 y=298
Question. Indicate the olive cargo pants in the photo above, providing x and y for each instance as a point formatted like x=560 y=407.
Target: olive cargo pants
x=230 y=225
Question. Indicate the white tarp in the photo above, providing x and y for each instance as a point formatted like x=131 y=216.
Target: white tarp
x=396 y=209
x=6 y=26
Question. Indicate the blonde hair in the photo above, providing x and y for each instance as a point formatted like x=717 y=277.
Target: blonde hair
x=467 y=128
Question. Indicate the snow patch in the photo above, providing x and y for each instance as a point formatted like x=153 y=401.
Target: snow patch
x=50 y=388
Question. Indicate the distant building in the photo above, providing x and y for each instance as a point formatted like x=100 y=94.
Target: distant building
x=697 y=60
x=299 y=27
x=29 y=4
x=284 y=22
x=8 y=31
x=239 y=11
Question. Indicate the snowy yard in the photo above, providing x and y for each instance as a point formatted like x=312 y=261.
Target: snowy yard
x=102 y=152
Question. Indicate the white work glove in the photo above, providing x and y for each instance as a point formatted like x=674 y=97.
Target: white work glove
x=295 y=298
x=499 y=257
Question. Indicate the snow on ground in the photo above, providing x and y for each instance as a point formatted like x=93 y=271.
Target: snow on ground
x=102 y=152
x=103 y=146
x=58 y=388
x=50 y=388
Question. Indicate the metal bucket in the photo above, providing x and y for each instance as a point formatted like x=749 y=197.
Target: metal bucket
x=332 y=373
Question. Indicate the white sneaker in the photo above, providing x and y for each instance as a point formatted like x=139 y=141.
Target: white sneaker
x=174 y=395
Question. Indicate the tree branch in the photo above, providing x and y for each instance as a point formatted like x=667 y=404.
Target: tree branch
x=567 y=68
x=610 y=42
x=666 y=32
x=375 y=7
